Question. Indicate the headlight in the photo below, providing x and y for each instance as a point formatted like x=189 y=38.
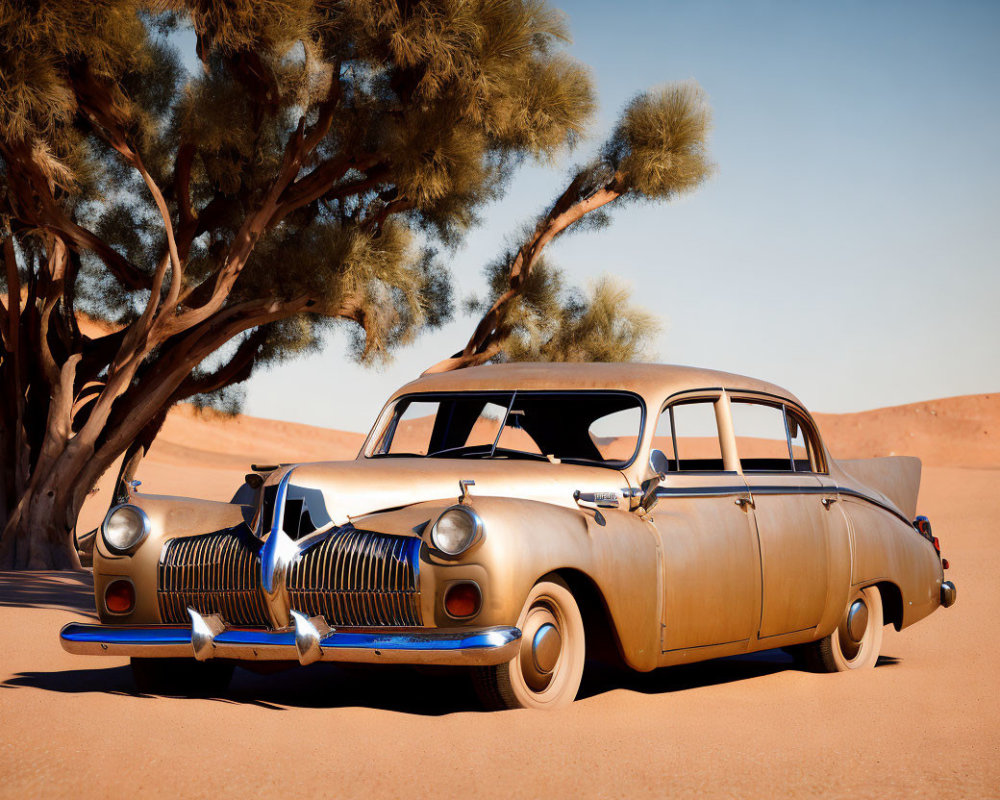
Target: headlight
x=456 y=530
x=124 y=528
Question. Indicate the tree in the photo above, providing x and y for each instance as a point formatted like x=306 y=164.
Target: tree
x=306 y=176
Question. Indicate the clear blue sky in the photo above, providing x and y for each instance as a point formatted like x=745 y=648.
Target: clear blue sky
x=848 y=247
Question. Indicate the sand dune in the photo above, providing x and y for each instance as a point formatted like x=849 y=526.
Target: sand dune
x=953 y=432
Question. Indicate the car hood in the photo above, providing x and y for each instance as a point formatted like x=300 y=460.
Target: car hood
x=351 y=489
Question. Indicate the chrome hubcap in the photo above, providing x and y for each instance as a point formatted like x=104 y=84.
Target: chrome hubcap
x=545 y=648
x=857 y=621
x=853 y=628
x=541 y=646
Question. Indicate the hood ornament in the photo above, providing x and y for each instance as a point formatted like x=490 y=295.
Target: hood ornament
x=463 y=487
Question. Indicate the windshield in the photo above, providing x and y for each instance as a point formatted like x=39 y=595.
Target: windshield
x=581 y=427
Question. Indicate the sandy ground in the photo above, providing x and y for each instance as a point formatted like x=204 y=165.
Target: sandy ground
x=925 y=722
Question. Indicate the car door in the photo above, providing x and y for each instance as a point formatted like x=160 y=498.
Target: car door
x=711 y=573
x=789 y=513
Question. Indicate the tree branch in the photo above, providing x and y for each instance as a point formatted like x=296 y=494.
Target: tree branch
x=29 y=185
x=487 y=339
x=97 y=105
x=236 y=370
x=13 y=312
x=182 y=182
x=246 y=238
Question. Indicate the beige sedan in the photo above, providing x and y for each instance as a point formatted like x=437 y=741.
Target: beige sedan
x=519 y=519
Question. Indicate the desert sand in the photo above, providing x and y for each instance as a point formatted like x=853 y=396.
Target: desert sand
x=924 y=723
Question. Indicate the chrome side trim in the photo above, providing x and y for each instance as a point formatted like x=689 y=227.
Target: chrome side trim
x=456 y=647
x=725 y=491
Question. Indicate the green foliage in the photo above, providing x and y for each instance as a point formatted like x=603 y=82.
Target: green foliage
x=656 y=152
x=550 y=322
x=659 y=144
x=421 y=112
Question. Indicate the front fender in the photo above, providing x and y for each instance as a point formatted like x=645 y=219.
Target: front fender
x=169 y=518
x=526 y=540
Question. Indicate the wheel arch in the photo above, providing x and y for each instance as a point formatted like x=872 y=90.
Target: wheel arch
x=602 y=638
x=892 y=603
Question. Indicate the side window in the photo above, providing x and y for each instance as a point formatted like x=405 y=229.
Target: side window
x=769 y=438
x=761 y=439
x=689 y=436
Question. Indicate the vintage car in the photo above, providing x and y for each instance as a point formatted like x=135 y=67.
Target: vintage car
x=517 y=519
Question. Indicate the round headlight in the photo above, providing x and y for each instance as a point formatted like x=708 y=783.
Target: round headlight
x=456 y=530
x=124 y=528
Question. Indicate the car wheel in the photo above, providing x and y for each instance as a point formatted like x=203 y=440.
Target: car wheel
x=181 y=676
x=856 y=642
x=547 y=670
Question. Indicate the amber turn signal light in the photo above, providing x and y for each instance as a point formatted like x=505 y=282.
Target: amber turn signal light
x=119 y=597
x=463 y=600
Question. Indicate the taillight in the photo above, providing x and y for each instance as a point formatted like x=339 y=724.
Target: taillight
x=923 y=525
x=119 y=597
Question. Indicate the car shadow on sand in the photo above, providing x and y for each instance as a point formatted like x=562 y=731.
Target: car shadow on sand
x=428 y=692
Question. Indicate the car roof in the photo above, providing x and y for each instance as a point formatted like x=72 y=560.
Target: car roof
x=654 y=382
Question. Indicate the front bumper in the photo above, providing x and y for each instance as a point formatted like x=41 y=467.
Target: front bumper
x=310 y=640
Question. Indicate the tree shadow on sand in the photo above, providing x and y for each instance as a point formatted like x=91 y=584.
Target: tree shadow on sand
x=428 y=692
x=67 y=591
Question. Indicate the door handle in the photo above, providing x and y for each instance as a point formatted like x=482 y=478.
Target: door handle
x=598 y=499
x=829 y=501
x=745 y=502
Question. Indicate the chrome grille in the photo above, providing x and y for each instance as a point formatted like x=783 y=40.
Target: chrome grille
x=358 y=578
x=353 y=578
x=217 y=573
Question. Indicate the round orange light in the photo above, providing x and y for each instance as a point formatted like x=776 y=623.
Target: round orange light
x=119 y=597
x=463 y=600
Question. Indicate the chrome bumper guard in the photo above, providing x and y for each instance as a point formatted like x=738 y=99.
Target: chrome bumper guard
x=948 y=594
x=310 y=640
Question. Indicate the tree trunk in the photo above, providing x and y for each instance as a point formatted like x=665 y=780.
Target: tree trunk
x=39 y=532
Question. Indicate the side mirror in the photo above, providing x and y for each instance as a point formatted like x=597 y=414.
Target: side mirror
x=659 y=466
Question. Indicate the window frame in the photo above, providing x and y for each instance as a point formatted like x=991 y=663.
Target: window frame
x=710 y=396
